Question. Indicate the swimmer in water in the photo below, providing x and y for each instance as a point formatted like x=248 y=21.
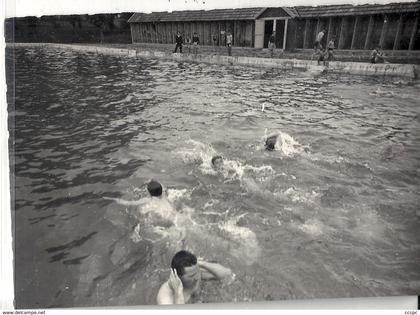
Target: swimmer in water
x=155 y=208
x=185 y=278
x=218 y=165
x=270 y=142
x=154 y=188
x=217 y=162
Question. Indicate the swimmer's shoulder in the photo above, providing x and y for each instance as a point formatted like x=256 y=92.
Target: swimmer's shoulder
x=165 y=295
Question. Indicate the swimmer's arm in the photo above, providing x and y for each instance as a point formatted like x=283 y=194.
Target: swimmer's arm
x=213 y=270
x=127 y=202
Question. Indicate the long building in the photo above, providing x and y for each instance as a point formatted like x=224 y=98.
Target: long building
x=393 y=26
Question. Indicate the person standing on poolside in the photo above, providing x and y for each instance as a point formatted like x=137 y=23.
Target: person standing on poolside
x=272 y=44
x=229 y=41
x=330 y=49
x=195 y=42
x=317 y=45
x=178 y=41
x=377 y=56
x=188 y=42
x=318 y=39
x=185 y=278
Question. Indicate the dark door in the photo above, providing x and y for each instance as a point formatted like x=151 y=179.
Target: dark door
x=268 y=30
x=279 y=33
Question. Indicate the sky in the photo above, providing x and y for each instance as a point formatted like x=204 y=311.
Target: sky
x=19 y=8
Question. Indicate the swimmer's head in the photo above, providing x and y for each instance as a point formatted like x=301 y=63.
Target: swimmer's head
x=217 y=161
x=154 y=188
x=185 y=264
x=270 y=143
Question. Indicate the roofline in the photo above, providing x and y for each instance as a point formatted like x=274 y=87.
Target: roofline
x=296 y=8
x=261 y=12
x=135 y=13
x=253 y=18
x=128 y=21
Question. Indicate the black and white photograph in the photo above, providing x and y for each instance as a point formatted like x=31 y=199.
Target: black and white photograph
x=192 y=152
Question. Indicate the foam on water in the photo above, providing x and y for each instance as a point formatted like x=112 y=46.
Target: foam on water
x=297 y=196
x=135 y=236
x=312 y=227
x=199 y=153
x=178 y=194
x=211 y=203
x=244 y=240
x=231 y=169
x=328 y=159
x=160 y=220
x=289 y=146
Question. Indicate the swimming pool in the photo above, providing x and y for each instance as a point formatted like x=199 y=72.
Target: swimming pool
x=332 y=212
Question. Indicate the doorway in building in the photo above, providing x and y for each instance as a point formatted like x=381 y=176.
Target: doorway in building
x=280 y=33
x=279 y=29
x=268 y=30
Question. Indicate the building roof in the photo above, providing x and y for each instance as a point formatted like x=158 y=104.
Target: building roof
x=366 y=9
x=198 y=15
x=278 y=13
x=254 y=13
x=291 y=11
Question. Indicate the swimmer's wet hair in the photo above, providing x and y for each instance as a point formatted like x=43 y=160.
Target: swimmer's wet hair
x=181 y=260
x=215 y=158
x=154 y=188
x=270 y=143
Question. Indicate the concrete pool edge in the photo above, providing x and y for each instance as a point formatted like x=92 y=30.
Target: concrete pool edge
x=410 y=71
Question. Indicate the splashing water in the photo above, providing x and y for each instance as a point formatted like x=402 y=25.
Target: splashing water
x=231 y=169
x=178 y=194
x=200 y=154
x=244 y=243
x=288 y=145
x=177 y=226
x=295 y=195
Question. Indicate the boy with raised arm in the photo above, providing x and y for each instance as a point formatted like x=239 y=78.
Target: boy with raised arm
x=185 y=278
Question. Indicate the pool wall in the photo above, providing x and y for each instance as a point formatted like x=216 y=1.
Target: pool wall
x=357 y=68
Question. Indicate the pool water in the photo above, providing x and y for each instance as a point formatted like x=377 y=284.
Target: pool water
x=332 y=212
